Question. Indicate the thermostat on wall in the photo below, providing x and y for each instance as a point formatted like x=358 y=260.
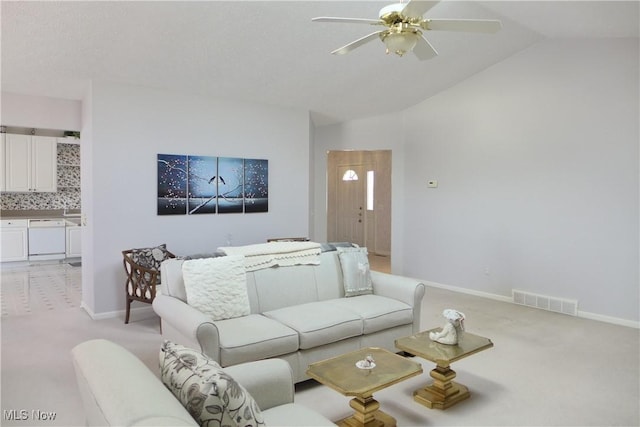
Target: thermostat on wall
x=432 y=183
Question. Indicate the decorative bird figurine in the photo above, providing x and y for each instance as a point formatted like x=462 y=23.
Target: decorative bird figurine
x=220 y=179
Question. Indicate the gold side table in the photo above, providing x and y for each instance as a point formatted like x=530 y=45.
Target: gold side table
x=443 y=392
x=341 y=374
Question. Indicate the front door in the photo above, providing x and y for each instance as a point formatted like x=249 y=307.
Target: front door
x=350 y=204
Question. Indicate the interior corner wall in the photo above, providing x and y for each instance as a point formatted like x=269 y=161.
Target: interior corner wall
x=374 y=133
x=537 y=166
x=87 y=192
x=312 y=196
x=130 y=125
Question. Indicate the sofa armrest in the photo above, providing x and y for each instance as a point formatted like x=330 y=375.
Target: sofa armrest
x=269 y=381
x=405 y=289
x=118 y=389
x=188 y=326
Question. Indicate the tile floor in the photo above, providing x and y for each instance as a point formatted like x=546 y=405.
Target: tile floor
x=26 y=289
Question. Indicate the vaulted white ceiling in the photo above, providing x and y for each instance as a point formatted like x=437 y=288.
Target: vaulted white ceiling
x=270 y=52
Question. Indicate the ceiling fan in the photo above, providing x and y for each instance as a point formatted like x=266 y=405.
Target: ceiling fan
x=405 y=23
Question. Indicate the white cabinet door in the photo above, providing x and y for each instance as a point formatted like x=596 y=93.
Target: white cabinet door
x=13 y=241
x=18 y=162
x=44 y=151
x=30 y=163
x=3 y=166
x=74 y=242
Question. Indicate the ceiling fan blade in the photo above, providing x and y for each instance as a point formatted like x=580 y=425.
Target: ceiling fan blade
x=469 y=25
x=417 y=8
x=354 y=44
x=424 y=50
x=347 y=20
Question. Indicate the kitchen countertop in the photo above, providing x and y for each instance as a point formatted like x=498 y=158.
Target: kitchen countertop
x=41 y=214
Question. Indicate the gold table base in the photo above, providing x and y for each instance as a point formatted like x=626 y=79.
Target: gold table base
x=367 y=414
x=444 y=392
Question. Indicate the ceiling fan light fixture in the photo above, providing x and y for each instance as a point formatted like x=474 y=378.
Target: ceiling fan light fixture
x=405 y=23
x=400 y=42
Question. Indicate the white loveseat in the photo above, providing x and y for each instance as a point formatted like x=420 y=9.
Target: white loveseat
x=297 y=313
x=117 y=389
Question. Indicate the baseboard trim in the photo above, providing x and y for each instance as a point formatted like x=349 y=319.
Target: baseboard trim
x=135 y=312
x=583 y=314
x=469 y=291
x=609 y=319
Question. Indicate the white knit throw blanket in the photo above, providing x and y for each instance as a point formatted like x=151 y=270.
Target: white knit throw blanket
x=265 y=255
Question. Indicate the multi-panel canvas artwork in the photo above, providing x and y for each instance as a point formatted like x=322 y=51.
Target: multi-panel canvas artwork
x=203 y=185
x=256 y=185
x=172 y=184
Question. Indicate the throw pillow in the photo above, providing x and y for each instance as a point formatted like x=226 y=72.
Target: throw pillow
x=150 y=258
x=356 y=275
x=212 y=397
x=217 y=286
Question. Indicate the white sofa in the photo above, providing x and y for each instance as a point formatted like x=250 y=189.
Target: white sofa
x=298 y=313
x=117 y=389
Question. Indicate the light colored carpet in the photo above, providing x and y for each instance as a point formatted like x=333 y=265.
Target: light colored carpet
x=546 y=369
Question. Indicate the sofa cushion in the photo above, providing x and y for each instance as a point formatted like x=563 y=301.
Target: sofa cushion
x=279 y=287
x=377 y=312
x=118 y=389
x=356 y=275
x=319 y=323
x=210 y=395
x=254 y=337
x=217 y=286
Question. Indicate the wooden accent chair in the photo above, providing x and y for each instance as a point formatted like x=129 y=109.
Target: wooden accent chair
x=142 y=267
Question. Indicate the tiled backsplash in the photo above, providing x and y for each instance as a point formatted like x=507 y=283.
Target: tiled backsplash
x=69 y=154
x=68 y=194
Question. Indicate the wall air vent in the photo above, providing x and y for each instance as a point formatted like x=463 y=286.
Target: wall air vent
x=545 y=302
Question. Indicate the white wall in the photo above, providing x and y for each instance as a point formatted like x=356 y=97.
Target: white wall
x=87 y=191
x=538 y=170
x=40 y=112
x=131 y=125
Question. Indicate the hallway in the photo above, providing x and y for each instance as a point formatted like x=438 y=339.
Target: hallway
x=380 y=263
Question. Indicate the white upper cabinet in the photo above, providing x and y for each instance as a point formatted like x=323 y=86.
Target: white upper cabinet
x=30 y=163
x=3 y=186
x=44 y=163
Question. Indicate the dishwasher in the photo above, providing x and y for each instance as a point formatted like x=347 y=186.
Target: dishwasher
x=47 y=239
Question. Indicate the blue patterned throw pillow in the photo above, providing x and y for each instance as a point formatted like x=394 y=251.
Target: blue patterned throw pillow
x=210 y=395
x=150 y=258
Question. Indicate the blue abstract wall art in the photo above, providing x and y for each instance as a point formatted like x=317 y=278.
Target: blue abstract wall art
x=191 y=185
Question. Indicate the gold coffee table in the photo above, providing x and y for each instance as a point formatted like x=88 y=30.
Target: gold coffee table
x=444 y=392
x=341 y=374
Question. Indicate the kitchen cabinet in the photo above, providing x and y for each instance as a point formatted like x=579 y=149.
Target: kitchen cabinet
x=3 y=187
x=74 y=241
x=30 y=163
x=14 y=240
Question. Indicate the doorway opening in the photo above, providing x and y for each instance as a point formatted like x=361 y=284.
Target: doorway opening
x=359 y=202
